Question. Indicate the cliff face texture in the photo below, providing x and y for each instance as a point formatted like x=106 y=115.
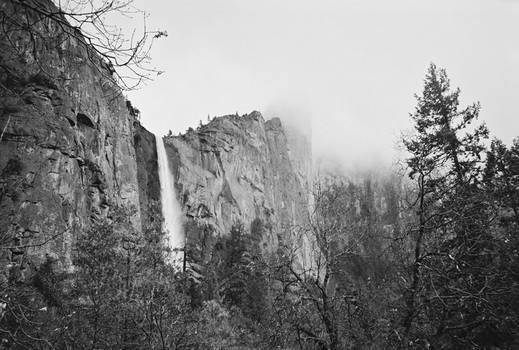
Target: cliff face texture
x=148 y=181
x=242 y=168
x=72 y=149
x=67 y=146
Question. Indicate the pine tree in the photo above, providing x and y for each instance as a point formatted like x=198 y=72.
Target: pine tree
x=236 y=266
x=502 y=188
x=451 y=233
x=442 y=142
x=502 y=177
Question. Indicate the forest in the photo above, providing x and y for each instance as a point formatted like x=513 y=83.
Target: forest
x=425 y=257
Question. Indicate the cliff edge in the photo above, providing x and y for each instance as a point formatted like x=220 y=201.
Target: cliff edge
x=242 y=169
x=67 y=147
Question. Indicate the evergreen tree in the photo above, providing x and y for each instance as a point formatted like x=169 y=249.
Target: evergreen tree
x=451 y=240
x=502 y=178
x=244 y=284
x=236 y=264
x=502 y=188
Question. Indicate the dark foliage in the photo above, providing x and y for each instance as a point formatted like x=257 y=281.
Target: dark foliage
x=458 y=285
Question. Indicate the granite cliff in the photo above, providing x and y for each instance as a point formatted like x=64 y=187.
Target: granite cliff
x=242 y=169
x=72 y=150
x=67 y=152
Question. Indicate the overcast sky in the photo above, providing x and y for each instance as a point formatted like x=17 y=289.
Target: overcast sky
x=352 y=65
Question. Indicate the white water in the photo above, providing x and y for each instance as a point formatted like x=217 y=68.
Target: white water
x=171 y=211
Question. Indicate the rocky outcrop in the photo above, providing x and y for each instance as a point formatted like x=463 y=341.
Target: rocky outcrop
x=67 y=146
x=72 y=149
x=242 y=168
x=147 y=176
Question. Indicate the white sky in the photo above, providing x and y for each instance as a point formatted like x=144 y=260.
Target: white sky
x=352 y=65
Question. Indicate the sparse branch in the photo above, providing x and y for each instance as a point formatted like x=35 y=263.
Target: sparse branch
x=126 y=58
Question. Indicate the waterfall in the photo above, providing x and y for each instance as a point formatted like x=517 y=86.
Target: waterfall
x=171 y=211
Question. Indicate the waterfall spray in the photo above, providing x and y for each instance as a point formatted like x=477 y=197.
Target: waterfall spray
x=171 y=211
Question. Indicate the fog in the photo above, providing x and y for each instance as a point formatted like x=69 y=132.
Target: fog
x=347 y=68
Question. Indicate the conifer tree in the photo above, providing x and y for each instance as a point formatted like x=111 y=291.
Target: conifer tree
x=450 y=235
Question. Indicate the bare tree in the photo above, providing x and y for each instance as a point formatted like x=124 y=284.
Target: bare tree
x=313 y=272
x=91 y=24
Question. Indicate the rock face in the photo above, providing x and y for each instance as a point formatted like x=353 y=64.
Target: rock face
x=67 y=147
x=242 y=168
x=147 y=176
x=72 y=149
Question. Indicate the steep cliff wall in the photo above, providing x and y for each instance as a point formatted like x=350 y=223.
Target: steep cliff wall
x=71 y=148
x=242 y=168
x=67 y=148
x=147 y=176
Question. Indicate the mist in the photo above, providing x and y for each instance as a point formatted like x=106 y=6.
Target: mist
x=348 y=69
